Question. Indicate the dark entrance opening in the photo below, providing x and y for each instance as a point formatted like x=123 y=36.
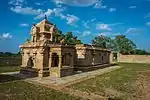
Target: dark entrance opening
x=30 y=63
x=55 y=60
x=115 y=57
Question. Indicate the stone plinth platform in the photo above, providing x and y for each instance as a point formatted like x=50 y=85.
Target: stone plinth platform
x=65 y=81
x=29 y=71
x=68 y=80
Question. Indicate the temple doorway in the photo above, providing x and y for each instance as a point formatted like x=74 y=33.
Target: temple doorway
x=115 y=57
x=55 y=60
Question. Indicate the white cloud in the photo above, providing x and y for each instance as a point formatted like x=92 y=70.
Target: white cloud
x=38 y=4
x=5 y=36
x=132 y=7
x=103 y=7
x=94 y=19
x=99 y=4
x=58 y=12
x=114 y=24
x=76 y=31
x=148 y=23
x=16 y=2
x=19 y=6
x=105 y=33
x=134 y=30
x=71 y=19
x=147 y=16
x=87 y=23
x=110 y=34
x=112 y=9
x=103 y=27
x=86 y=33
x=81 y=3
x=24 y=25
x=41 y=2
x=48 y=13
x=26 y=10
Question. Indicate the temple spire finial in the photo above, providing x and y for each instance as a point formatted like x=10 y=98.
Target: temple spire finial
x=45 y=17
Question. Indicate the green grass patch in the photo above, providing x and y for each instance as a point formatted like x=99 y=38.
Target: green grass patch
x=119 y=82
x=4 y=69
x=19 y=90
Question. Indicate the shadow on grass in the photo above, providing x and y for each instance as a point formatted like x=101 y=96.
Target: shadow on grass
x=7 y=78
x=12 y=77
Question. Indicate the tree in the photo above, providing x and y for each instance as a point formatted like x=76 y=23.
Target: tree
x=71 y=40
x=59 y=36
x=105 y=42
x=100 y=41
x=76 y=41
x=119 y=44
x=141 y=52
x=125 y=45
x=7 y=54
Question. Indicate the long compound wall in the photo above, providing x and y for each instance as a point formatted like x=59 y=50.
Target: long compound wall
x=134 y=58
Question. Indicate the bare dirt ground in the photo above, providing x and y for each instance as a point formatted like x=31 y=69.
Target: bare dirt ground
x=143 y=86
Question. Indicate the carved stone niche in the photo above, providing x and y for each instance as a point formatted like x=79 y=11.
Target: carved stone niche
x=28 y=52
x=34 y=53
x=30 y=62
x=93 y=52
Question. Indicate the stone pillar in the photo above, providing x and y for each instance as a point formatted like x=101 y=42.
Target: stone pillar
x=50 y=60
x=22 y=62
x=118 y=57
x=34 y=56
x=111 y=57
x=60 y=61
x=40 y=63
x=72 y=60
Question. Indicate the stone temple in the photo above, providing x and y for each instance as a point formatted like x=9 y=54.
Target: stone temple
x=42 y=56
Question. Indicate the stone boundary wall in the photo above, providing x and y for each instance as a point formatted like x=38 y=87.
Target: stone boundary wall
x=134 y=58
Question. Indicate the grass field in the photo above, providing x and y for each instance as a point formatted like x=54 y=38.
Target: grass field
x=12 y=88
x=9 y=69
x=19 y=90
x=132 y=82
x=126 y=83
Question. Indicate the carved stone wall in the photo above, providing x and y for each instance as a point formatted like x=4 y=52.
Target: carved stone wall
x=89 y=56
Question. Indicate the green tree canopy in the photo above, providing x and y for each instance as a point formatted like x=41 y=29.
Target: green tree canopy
x=125 y=45
x=71 y=40
x=119 y=44
x=105 y=42
x=141 y=52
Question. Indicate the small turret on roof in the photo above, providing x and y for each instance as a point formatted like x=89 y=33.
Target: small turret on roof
x=44 y=30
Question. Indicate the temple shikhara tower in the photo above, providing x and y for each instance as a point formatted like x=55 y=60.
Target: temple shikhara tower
x=43 y=56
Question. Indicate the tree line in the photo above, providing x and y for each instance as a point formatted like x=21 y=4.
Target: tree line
x=119 y=44
x=8 y=54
